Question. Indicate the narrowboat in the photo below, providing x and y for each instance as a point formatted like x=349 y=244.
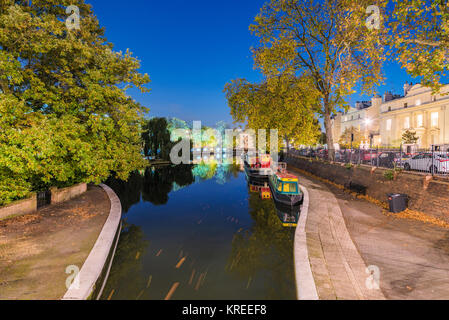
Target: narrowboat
x=257 y=167
x=285 y=189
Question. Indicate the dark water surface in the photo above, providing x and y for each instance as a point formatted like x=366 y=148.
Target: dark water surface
x=234 y=244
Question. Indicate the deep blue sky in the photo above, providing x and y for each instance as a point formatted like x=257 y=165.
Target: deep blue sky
x=191 y=49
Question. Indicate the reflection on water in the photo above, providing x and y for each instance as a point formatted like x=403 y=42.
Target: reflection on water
x=201 y=227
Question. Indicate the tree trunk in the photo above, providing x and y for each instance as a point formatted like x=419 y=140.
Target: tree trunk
x=287 y=139
x=328 y=127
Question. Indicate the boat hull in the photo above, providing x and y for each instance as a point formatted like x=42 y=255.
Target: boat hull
x=286 y=200
x=257 y=174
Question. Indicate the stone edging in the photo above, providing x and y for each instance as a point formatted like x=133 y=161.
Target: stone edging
x=96 y=261
x=305 y=283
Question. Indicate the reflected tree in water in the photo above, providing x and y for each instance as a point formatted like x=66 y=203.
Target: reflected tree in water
x=126 y=277
x=127 y=191
x=266 y=250
x=159 y=182
x=205 y=171
x=222 y=172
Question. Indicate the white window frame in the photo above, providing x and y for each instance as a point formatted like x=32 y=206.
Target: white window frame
x=407 y=123
x=389 y=124
x=420 y=120
x=434 y=119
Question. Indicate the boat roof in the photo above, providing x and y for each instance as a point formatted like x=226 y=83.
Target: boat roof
x=287 y=177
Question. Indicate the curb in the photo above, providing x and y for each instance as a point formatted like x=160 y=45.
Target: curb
x=84 y=283
x=305 y=283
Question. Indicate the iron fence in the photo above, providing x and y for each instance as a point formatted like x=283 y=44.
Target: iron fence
x=43 y=199
x=425 y=161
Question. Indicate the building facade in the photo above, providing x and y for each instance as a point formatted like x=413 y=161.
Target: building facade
x=418 y=111
x=383 y=121
x=364 y=117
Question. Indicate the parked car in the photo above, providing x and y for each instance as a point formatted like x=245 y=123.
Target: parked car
x=428 y=162
x=387 y=159
x=368 y=156
x=323 y=154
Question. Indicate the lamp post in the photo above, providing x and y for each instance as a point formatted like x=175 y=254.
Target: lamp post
x=367 y=124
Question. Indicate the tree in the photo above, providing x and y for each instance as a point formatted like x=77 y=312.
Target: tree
x=418 y=34
x=284 y=102
x=346 y=138
x=64 y=113
x=157 y=139
x=409 y=137
x=323 y=139
x=324 y=39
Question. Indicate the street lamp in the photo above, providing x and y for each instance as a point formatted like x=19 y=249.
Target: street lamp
x=368 y=122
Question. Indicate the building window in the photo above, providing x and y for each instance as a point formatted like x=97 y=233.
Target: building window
x=419 y=121
x=389 y=108
x=407 y=123
x=406 y=105
x=418 y=102
x=434 y=119
x=389 y=125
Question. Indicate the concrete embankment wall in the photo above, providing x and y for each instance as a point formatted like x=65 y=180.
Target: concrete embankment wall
x=65 y=194
x=427 y=194
x=21 y=207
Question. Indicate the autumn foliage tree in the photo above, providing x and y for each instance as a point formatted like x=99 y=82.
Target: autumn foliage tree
x=410 y=137
x=284 y=103
x=325 y=39
x=64 y=113
x=351 y=137
x=417 y=33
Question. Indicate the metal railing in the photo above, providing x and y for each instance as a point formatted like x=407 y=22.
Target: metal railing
x=426 y=161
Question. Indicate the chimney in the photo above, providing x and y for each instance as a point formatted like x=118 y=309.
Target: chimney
x=388 y=96
x=407 y=88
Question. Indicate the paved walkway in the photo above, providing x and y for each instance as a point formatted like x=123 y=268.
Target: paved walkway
x=36 y=249
x=346 y=235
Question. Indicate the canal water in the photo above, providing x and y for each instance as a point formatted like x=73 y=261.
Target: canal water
x=199 y=232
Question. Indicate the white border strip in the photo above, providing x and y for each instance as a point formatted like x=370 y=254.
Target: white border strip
x=95 y=262
x=305 y=284
x=100 y=293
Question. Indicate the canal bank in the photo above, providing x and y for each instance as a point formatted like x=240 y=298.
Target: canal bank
x=36 y=250
x=91 y=279
x=349 y=238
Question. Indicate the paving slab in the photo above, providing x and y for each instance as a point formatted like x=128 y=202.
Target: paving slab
x=36 y=249
x=346 y=235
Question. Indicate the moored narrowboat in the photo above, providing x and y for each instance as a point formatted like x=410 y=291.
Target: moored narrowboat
x=258 y=167
x=285 y=189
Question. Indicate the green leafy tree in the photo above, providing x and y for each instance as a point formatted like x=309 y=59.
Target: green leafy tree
x=157 y=138
x=284 y=102
x=346 y=138
x=324 y=39
x=409 y=137
x=64 y=113
x=418 y=34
